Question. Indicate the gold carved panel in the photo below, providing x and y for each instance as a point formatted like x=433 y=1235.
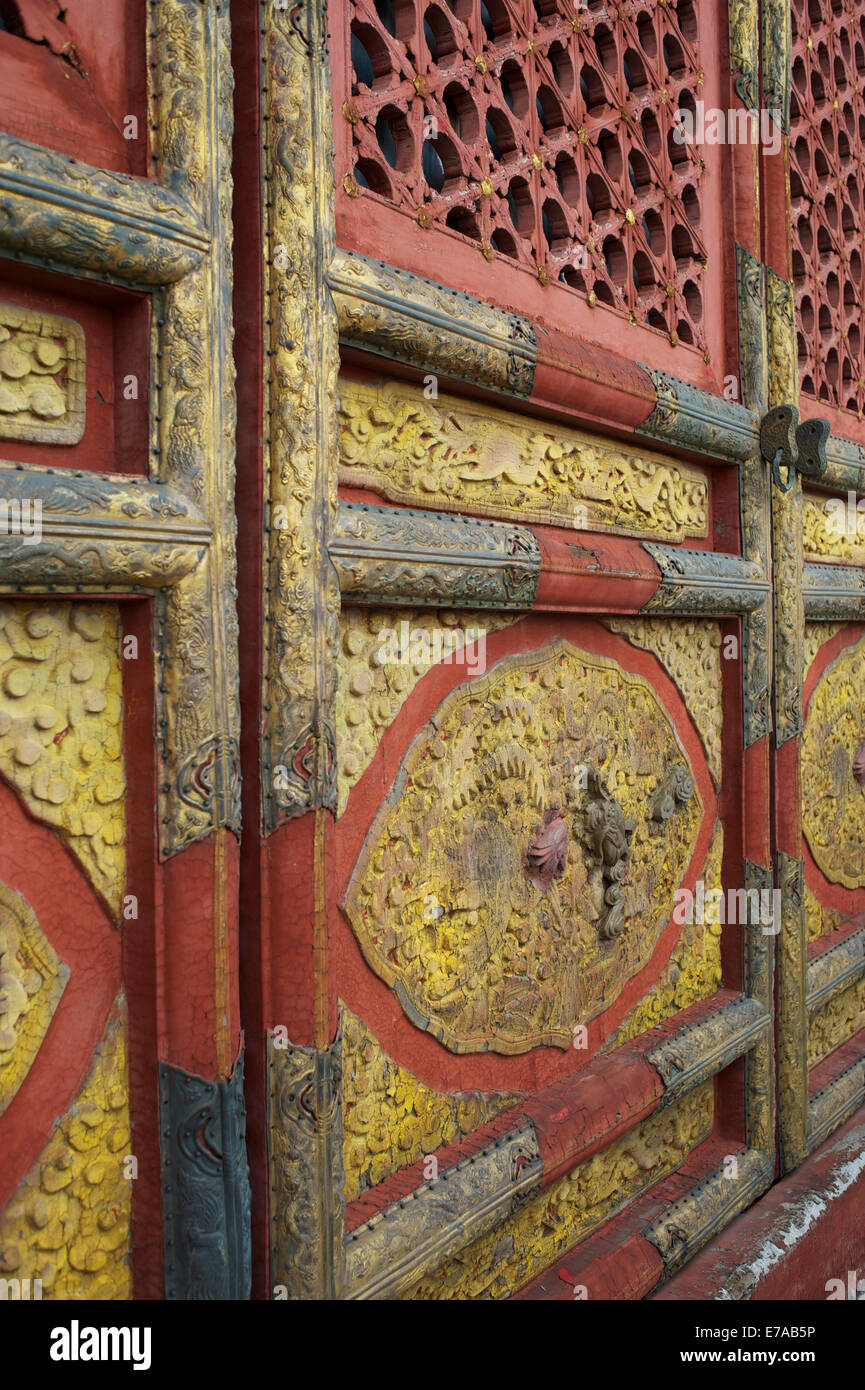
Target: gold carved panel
x=833 y=747
x=832 y=529
x=32 y=979
x=690 y=652
x=61 y=737
x=42 y=377
x=390 y=1119
x=549 y=1224
x=449 y=453
x=372 y=687
x=521 y=870
x=836 y=1022
x=68 y=1223
x=693 y=971
x=821 y=920
x=816 y=634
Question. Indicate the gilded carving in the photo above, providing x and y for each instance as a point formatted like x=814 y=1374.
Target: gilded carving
x=694 y=968
x=833 y=818
x=450 y=454
x=834 y=1103
x=793 y=1033
x=743 y=20
x=68 y=1222
x=301 y=350
x=507 y=964
x=32 y=979
x=777 y=61
x=833 y=968
x=397 y=555
x=690 y=653
x=552 y=1222
x=815 y=636
x=413 y=1237
x=371 y=691
x=42 y=376
x=307 y=1200
x=61 y=738
x=699 y=1050
x=783 y=361
x=610 y=834
x=704 y=581
x=97 y=222
x=751 y=305
x=390 y=1119
x=194 y=426
x=834 y=592
x=694 y=419
x=405 y=317
x=821 y=920
x=686 y=1224
x=836 y=1022
x=822 y=535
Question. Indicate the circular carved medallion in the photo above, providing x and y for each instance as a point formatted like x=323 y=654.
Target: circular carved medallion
x=527 y=859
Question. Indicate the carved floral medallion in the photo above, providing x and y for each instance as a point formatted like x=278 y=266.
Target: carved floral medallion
x=833 y=796
x=32 y=979
x=519 y=875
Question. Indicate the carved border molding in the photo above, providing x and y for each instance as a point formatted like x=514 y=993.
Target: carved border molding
x=402 y=316
x=694 y=419
x=704 y=582
x=175 y=533
x=205 y=1186
x=846 y=466
x=307 y=1201
x=777 y=46
x=834 y=969
x=685 y=1225
x=793 y=1032
x=101 y=530
x=744 y=31
x=693 y=1054
x=112 y=226
x=834 y=592
x=753 y=372
x=193 y=426
x=834 y=1103
x=415 y=1235
x=396 y=556
x=301 y=594
x=753 y=342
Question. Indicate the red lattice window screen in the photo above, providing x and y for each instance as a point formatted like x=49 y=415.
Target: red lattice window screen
x=541 y=131
x=827 y=128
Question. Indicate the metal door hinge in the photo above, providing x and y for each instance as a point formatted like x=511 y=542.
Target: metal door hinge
x=785 y=442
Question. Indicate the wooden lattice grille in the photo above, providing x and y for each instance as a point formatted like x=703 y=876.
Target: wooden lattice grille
x=543 y=131
x=826 y=179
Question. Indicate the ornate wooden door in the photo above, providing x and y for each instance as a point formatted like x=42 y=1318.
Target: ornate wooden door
x=522 y=775
x=814 y=281
x=120 y=1084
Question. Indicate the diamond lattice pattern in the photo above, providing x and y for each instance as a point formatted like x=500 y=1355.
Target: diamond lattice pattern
x=827 y=127
x=543 y=131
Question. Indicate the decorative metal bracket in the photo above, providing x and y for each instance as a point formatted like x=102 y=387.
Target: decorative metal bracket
x=205 y=1186
x=785 y=442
